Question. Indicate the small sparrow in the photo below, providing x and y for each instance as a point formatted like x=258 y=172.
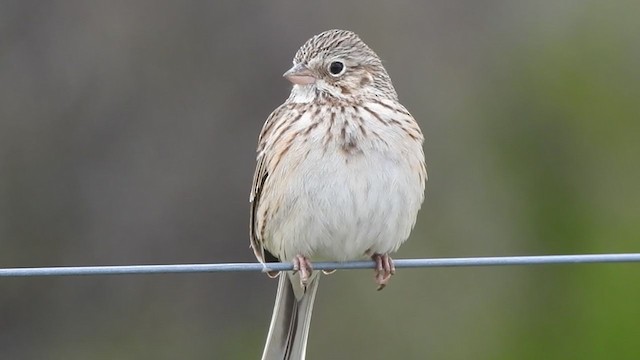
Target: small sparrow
x=340 y=176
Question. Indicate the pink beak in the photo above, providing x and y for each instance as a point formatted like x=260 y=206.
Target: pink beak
x=300 y=75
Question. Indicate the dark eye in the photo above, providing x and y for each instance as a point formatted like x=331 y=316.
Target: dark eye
x=336 y=68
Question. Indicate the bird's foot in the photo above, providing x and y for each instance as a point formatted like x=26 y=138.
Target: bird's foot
x=384 y=269
x=303 y=265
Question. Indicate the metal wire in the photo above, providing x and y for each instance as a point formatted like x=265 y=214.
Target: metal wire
x=400 y=263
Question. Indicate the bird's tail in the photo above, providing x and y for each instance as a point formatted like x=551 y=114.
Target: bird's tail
x=289 y=329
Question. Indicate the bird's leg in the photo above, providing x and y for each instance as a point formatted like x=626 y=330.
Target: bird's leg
x=303 y=265
x=384 y=269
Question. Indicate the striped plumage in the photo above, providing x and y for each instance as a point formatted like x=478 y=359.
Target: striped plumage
x=340 y=176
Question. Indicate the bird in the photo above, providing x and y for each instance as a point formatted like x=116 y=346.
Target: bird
x=340 y=176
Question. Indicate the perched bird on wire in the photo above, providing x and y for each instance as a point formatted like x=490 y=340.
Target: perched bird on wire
x=340 y=176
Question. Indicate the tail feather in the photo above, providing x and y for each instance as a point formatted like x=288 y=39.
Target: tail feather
x=289 y=329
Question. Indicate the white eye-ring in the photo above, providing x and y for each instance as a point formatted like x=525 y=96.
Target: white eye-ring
x=337 y=68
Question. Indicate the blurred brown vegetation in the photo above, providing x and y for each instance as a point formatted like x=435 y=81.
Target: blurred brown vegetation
x=127 y=136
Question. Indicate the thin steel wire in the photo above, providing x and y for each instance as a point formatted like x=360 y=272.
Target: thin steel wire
x=234 y=267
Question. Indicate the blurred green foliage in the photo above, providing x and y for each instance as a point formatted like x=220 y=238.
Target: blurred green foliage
x=566 y=134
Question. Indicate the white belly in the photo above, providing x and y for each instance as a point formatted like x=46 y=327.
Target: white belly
x=338 y=206
x=342 y=184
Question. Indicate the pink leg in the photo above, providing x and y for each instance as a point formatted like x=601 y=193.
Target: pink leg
x=303 y=265
x=384 y=269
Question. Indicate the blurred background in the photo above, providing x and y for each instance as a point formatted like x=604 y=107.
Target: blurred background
x=128 y=133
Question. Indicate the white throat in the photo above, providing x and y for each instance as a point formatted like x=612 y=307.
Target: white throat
x=311 y=92
x=303 y=93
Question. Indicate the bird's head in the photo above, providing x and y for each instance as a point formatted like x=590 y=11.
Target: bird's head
x=337 y=66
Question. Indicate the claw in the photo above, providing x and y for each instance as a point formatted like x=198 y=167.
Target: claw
x=303 y=265
x=384 y=269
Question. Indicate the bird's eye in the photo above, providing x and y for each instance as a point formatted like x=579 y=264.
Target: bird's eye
x=336 y=68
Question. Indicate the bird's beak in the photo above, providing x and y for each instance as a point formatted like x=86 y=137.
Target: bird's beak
x=300 y=75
